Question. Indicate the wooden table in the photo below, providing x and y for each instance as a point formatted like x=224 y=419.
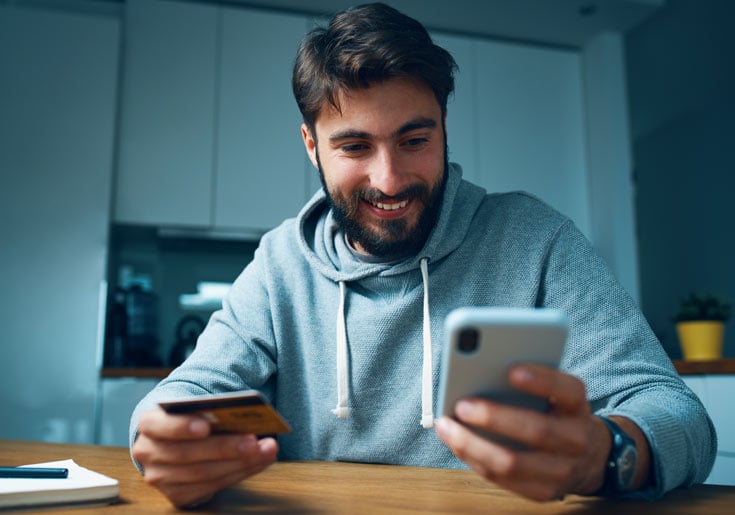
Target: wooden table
x=347 y=488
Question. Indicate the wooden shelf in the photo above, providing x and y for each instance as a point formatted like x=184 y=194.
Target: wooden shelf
x=147 y=372
x=720 y=366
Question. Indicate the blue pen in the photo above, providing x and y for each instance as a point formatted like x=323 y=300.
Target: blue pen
x=34 y=472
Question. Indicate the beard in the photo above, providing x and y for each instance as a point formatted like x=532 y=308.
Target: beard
x=395 y=239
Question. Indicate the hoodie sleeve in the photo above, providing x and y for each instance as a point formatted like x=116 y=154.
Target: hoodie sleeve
x=624 y=367
x=236 y=351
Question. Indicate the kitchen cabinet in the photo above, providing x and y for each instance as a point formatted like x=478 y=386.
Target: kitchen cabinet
x=118 y=398
x=529 y=124
x=715 y=391
x=461 y=117
x=262 y=167
x=552 y=122
x=516 y=121
x=57 y=123
x=167 y=114
x=209 y=132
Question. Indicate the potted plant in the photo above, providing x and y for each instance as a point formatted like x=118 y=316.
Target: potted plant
x=700 y=324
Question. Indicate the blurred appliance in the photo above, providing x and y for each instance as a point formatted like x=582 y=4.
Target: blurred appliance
x=133 y=326
x=187 y=332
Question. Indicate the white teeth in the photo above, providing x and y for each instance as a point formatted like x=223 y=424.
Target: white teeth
x=390 y=207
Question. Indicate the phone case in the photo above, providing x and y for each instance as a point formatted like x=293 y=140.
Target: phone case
x=503 y=337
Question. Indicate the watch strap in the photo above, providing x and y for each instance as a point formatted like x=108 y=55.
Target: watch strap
x=623 y=446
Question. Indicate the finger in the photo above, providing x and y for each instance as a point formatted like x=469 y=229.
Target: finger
x=188 y=484
x=565 y=392
x=217 y=447
x=488 y=459
x=538 y=483
x=538 y=431
x=481 y=454
x=246 y=452
x=539 y=476
x=158 y=424
x=166 y=475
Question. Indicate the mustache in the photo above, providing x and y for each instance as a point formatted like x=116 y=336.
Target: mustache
x=415 y=191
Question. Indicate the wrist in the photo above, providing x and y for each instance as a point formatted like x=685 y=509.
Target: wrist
x=621 y=466
x=594 y=478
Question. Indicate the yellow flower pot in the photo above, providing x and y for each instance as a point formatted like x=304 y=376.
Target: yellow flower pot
x=701 y=340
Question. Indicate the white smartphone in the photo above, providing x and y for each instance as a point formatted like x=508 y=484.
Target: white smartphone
x=482 y=343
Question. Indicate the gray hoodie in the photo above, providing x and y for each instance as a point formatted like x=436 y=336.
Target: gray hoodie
x=349 y=351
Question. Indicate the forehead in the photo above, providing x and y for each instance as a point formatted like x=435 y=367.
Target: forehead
x=381 y=107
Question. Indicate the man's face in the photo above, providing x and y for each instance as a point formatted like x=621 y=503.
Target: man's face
x=382 y=161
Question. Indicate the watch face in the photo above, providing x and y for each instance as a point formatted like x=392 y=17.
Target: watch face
x=626 y=466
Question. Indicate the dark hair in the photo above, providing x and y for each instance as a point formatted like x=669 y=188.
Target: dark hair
x=364 y=45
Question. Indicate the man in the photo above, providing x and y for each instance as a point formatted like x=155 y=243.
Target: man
x=345 y=304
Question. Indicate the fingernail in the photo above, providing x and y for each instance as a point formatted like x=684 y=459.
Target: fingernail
x=522 y=375
x=266 y=446
x=442 y=428
x=464 y=409
x=198 y=427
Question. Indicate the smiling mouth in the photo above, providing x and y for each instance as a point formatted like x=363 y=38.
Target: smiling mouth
x=389 y=207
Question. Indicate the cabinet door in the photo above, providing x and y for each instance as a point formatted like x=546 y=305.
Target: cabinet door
x=167 y=114
x=530 y=128
x=261 y=162
x=719 y=405
x=461 y=119
x=715 y=392
x=119 y=398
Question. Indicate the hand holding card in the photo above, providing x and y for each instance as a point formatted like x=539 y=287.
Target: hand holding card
x=235 y=412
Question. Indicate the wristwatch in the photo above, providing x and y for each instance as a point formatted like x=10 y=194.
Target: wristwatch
x=621 y=463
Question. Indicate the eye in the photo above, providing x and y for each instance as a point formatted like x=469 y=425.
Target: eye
x=353 y=148
x=415 y=142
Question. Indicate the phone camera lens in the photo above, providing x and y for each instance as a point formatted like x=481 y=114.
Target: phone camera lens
x=468 y=340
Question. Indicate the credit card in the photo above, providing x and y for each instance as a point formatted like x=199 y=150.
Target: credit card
x=233 y=412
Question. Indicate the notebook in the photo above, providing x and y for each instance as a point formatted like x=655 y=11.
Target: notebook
x=81 y=486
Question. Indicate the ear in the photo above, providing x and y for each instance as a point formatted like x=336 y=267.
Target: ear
x=309 y=144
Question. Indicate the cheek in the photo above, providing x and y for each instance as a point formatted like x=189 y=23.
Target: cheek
x=343 y=174
x=341 y=181
x=427 y=167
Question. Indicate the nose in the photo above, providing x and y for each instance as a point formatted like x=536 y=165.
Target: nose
x=386 y=174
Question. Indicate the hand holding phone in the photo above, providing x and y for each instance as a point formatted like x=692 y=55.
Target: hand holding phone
x=483 y=343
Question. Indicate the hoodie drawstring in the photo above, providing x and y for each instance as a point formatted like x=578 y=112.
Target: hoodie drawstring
x=427 y=398
x=342 y=411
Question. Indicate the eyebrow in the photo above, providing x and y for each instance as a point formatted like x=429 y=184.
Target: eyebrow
x=417 y=123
